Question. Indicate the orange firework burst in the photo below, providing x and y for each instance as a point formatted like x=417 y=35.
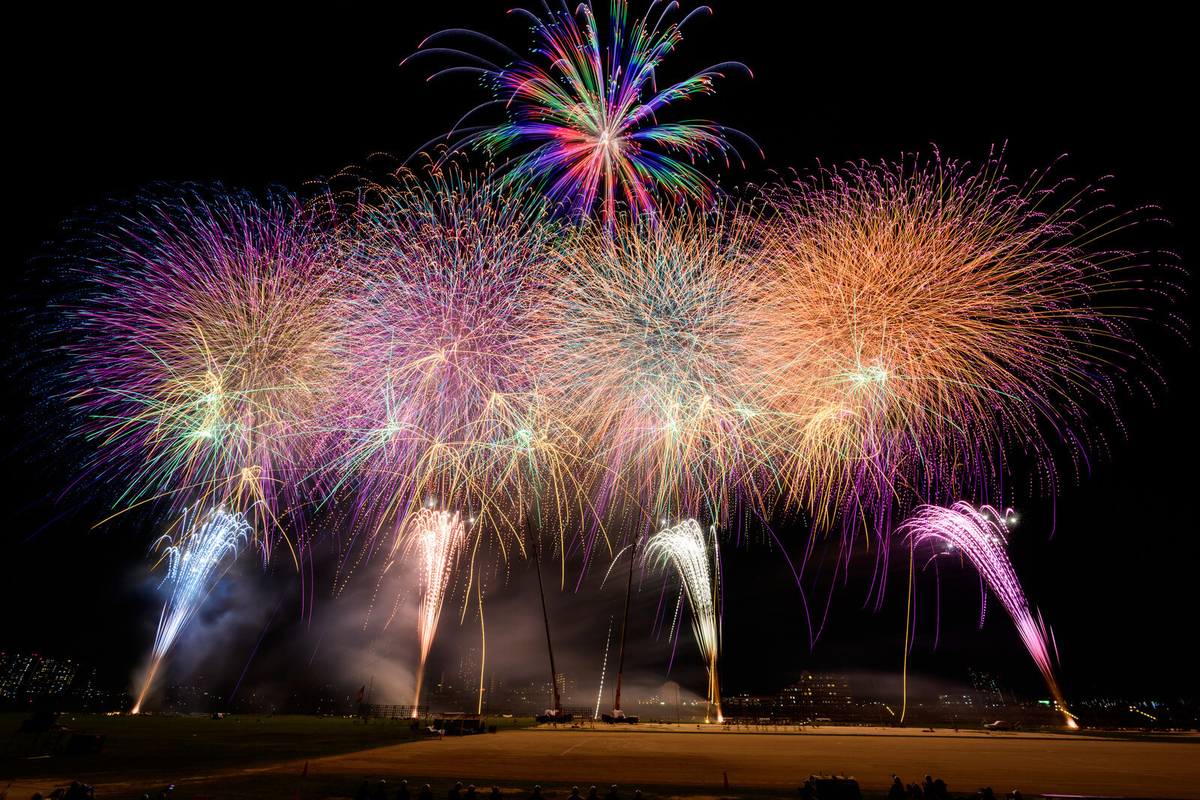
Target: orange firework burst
x=933 y=320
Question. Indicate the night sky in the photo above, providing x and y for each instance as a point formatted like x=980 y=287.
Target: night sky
x=106 y=102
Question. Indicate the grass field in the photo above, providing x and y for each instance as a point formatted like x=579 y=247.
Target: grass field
x=153 y=751
x=246 y=757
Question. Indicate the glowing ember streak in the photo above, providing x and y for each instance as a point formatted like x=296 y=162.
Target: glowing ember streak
x=603 y=667
x=697 y=559
x=591 y=111
x=981 y=535
x=437 y=538
x=207 y=546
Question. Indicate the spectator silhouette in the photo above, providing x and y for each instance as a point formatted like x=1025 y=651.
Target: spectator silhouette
x=380 y=791
x=612 y=793
x=574 y=794
x=425 y=794
x=537 y=793
x=470 y=795
x=897 y=791
x=364 y=791
x=402 y=792
x=455 y=793
x=592 y=794
x=495 y=793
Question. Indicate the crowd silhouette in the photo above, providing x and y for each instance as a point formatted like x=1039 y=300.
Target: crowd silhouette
x=816 y=787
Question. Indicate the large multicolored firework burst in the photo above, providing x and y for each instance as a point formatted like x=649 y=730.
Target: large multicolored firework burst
x=199 y=348
x=936 y=319
x=652 y=356
x=446 y=282
x=589 y=115
x=982 y=536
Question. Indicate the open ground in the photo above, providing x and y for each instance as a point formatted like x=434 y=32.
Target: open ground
x=678 y=761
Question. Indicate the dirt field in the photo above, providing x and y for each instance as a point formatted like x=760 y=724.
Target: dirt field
x=1032 y=763
x=678 y=761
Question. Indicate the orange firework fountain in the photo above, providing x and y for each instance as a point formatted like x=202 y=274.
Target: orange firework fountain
x=438 y=538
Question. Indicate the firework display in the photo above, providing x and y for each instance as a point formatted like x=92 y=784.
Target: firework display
x=589 y=115
x=205 y=547
x=587 y=339
x=982 y=536
x=696 y=557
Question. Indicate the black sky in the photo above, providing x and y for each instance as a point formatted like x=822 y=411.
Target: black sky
x=107 y=101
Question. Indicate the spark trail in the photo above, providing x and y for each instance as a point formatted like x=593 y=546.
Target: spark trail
x=981 y=534
x=206 y=547
x=697 y=559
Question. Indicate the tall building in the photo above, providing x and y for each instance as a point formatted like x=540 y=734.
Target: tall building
x=468 y=669
x=815 y=697
x=988 y=690
x=13 y=667
x=33 y=675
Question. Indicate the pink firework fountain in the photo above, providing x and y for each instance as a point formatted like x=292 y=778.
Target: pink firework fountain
x=981 y=535
x=437 y=538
